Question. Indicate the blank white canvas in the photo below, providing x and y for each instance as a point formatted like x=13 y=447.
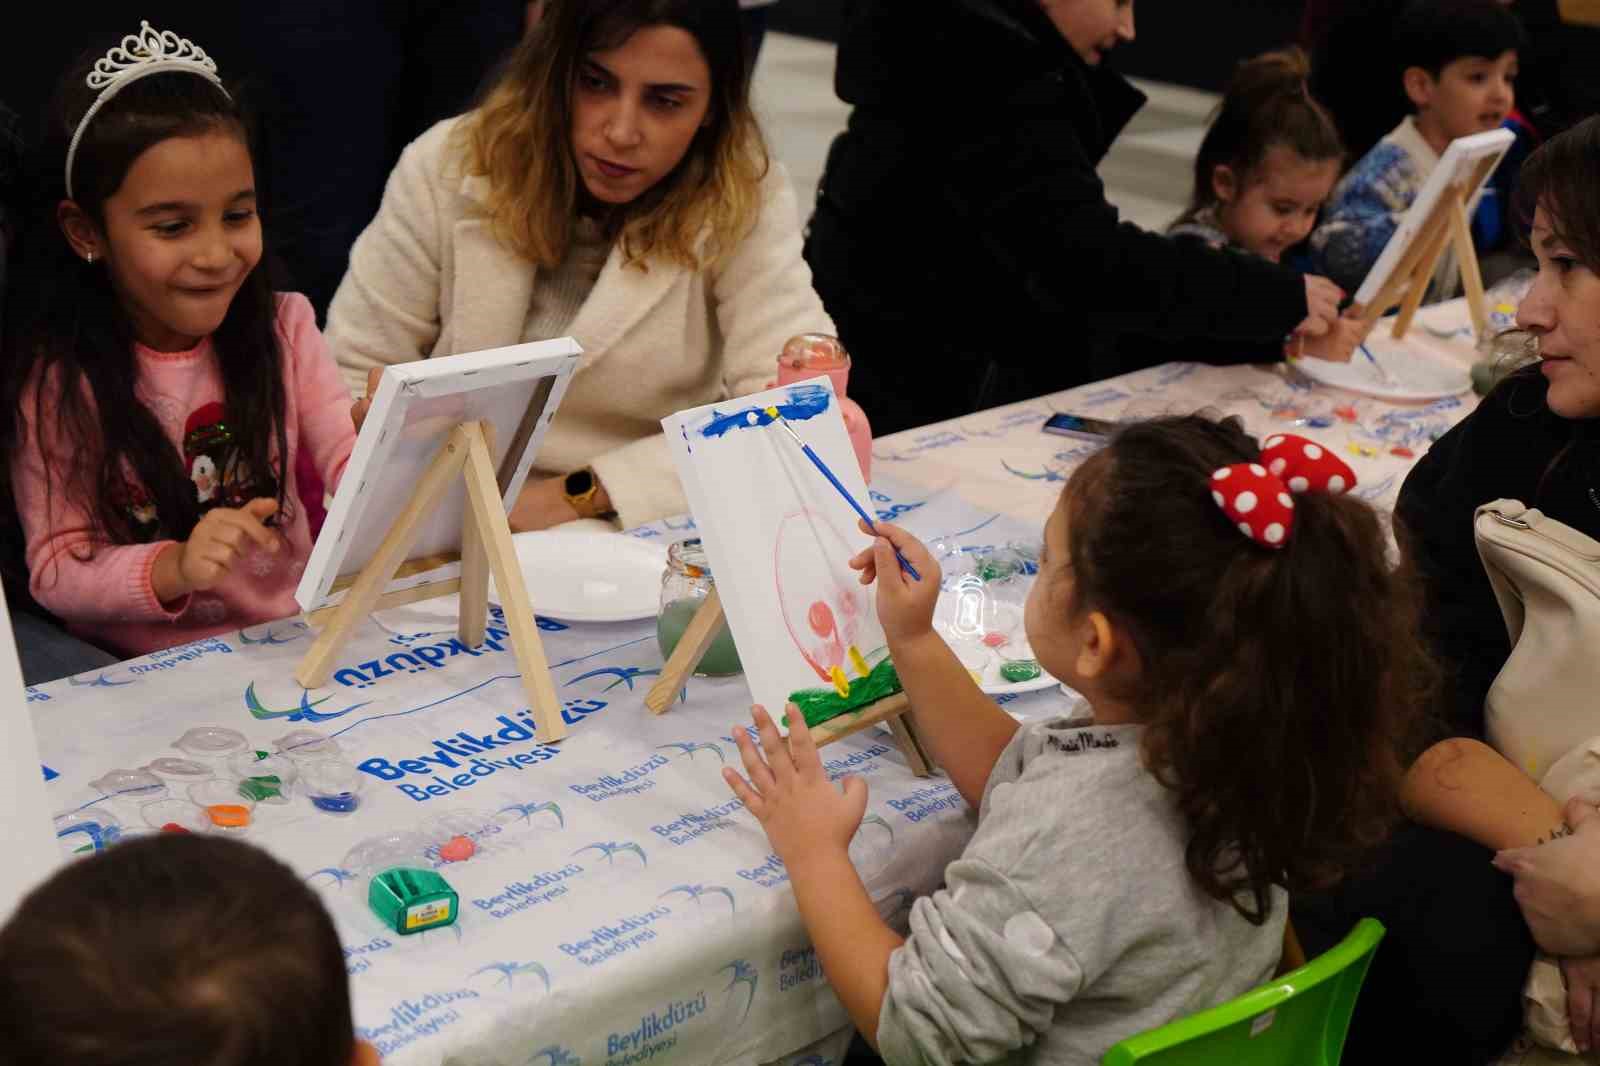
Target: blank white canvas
x=1454 y=169
x=27 y=833
x=778 y=536
x=417 y=406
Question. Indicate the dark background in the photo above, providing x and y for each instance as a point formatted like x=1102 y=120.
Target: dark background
x=1163 y=49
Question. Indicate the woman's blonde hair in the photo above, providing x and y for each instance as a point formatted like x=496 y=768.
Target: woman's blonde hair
x=519 y=139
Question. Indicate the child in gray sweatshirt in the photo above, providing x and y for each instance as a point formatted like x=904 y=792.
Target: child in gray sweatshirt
x=1254 y=671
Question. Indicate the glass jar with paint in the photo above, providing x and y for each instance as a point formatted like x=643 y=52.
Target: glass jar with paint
x=813 y=355
x=685 y=585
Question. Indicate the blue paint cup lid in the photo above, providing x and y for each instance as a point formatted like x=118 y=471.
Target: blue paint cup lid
x=130 y=784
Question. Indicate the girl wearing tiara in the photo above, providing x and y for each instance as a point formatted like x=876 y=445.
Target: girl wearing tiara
x=1254 y=670
x=160 y=391
x=613 y=186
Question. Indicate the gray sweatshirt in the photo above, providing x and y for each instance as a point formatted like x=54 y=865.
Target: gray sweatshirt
x=1070 y=922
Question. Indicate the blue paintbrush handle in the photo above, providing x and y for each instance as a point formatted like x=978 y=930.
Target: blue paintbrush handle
x=905 y=564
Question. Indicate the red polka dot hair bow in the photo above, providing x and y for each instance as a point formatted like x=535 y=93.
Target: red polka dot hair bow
x=1259 y=497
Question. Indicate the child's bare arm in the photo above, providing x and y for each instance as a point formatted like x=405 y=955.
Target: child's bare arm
x=1466 y=787
x=963 y=730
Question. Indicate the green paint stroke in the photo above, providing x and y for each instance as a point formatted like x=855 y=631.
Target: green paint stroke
x=818 y=705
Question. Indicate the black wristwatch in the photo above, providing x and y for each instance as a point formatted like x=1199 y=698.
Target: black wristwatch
x=580 y=488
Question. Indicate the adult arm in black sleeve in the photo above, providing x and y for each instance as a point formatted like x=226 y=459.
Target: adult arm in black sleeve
x=1027 y=185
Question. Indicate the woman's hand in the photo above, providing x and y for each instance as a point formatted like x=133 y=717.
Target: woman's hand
x=1558 y=884
x=1339 y=343
x=215 y=544
x=802 y=812
x=905 y=606
x=1583 y=1000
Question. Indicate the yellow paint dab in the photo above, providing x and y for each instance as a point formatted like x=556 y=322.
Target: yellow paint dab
x=841 y=684
x=858 y=661
x=772 y=412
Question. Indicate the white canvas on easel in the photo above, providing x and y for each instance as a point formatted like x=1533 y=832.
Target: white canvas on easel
x=26 y=831
x=417 y=406
x=1439 y=217
x=421 y=511
x=779 y=536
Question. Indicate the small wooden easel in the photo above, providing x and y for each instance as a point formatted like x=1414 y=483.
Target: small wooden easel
x=703 y=628
x=1449 y=224
x=486 y=548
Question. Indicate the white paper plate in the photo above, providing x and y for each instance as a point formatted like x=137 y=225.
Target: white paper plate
x=590 y=577
x=571 y=576
x=1413 y=375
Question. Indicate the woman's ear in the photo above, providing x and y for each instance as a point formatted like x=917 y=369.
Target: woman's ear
x=1224 y=183
x=80 y=231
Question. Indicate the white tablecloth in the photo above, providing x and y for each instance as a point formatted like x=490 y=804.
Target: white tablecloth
x=626 y=909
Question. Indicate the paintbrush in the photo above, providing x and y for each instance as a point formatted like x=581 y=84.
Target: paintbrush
x=816 y=460
x=1383 y=373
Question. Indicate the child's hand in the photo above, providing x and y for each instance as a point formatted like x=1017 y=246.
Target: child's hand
x=790 y=794
x=1339 y=343
x=905 y=606
x=359 y=409
x=211 y=550
x=1322 y=306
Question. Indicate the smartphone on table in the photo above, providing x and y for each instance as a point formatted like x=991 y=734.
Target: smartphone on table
x=1079 y=426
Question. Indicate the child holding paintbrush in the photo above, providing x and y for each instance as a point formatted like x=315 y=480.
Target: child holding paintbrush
x=1228 y=613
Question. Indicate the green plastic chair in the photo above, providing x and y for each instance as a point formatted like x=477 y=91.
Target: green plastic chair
x=1299 y=1019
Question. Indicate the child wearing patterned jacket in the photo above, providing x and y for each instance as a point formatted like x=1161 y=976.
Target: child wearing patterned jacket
x=161 y=393
x=1459 y=67
x=1254 y=673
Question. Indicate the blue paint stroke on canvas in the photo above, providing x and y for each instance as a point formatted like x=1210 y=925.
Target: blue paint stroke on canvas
x=806 y=400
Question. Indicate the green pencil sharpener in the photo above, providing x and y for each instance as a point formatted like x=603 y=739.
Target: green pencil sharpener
x=412 y=901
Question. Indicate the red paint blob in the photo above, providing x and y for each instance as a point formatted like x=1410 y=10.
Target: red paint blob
x=457 y=849
x=994 y=640
x=173 y=827
x=820 y=618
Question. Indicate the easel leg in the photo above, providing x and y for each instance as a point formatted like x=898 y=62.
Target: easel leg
x=703 y=628
x=905 y=736
x=1471 y=272
x=1421 y=277
x=363 y=596
x=483 y=493
x=474 y=621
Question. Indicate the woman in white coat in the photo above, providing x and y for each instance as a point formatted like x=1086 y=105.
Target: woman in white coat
x=613 y=186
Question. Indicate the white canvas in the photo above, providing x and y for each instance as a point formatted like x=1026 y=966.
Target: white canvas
x=27 y=833
x=1455 y=169
x=416 y=408
x=779 y=536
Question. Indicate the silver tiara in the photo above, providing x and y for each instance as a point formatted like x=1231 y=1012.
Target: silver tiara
x=150 y=51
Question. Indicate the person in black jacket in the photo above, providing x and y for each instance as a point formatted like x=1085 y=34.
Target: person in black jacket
x=1447 y=985
x=962 y=241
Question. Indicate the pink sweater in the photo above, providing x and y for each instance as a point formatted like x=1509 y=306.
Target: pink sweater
x=107 y=598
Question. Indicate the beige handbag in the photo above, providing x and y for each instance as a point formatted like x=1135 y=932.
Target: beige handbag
x=1546 y=577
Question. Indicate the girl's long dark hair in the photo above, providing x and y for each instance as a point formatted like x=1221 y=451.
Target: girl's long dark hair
x=1283 y=692
x=70 y=344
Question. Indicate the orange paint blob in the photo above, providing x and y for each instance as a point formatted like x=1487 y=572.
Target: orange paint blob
x=229 y=815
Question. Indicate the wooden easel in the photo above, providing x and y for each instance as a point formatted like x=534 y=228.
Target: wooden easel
x=486 y=548
x=703 y=628
x=1449 y=224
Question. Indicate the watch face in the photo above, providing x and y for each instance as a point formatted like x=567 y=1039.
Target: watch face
x=578 y=482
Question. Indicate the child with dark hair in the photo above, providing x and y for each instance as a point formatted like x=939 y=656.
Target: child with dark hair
x=175 y=949
x=1264 y=170
x=159 y=393
x=1252 y=663
x=1457 y=62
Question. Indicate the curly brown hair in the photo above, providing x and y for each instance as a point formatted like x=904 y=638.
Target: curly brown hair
x=1283 y=691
